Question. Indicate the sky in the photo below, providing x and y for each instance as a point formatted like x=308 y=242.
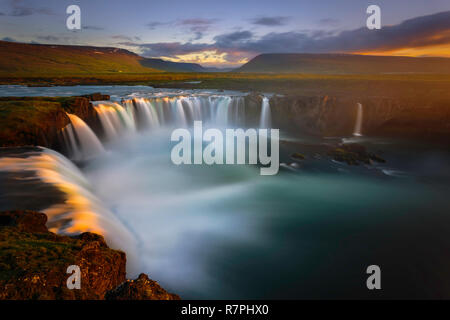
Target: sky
x=231 y=32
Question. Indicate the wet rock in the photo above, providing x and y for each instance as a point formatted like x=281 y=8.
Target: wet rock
x=142 y=288
x=34 y=261
x=97 y=96
x=354 y=154
x=24 y=221
x=298 y=156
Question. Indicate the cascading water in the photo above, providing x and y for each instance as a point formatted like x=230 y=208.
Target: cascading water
x=216 y=231
x=359 y=119
x=155 y=112
x=114 y=118
x=86 y=144
x=266 y=117
x=78 y=211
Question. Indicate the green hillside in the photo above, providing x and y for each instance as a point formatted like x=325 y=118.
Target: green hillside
x=343 y=64
x=36 y=59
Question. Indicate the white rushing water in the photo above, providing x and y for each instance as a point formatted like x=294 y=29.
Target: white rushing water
x=266 y=116
x=224 y=231
x=151 y=113
x=358 y=123
x=81 y=211
x=82 y=141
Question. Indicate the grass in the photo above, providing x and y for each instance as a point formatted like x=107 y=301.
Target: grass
x=22 y=252
x=298 y=84
x=26 y=120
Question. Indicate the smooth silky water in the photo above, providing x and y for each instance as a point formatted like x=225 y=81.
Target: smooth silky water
x=224 y=231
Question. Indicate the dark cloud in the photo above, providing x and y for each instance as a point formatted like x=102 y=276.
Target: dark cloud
x=168 y=49
x=329 y=22
x=271 y=21
x=417 y=32
x=96 y=28
x=152 y=25
x=2 y=14
x=197 y=22
x=197 y=26
x=122 y=37
x=48 y=38
x=233 y=40
x=19 y=9
x=9 y=39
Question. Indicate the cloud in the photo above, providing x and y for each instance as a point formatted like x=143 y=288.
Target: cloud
x=19 y=9
x=122 y=37
x=329 y=22
x=421 y=31
x=233 y=40
x=197 y=26
x=96 y=28
x=8 y=39
x=152 y=25
x=48 y=38
x=271 y=21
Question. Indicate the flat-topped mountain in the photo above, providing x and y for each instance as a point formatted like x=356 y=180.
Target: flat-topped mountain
x=343 y=64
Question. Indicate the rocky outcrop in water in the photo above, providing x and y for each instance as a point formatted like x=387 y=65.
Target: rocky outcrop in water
x=34 y=261
x=354 y=154
x=38 y=121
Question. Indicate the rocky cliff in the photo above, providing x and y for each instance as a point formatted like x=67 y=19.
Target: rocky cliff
x=38 y=120
x=34 y=261
x=333 y=116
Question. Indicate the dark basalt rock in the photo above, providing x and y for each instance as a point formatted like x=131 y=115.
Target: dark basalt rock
x=24 y=221
x=354 y=154
x=38 y=121
x=142 y=288
x=97 y=96
x=297 y=156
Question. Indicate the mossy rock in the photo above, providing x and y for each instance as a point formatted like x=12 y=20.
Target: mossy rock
x=298 y=156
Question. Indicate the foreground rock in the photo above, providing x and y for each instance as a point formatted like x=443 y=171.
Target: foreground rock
x=142 y=288
x=34 y=261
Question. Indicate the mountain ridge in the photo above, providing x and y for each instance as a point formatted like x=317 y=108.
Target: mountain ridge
x=329 y=63
x=39 y=59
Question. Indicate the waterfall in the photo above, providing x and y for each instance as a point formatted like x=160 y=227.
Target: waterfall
x=147 y=113
x=266 y=117
x=114 y=118
x=358 y=123
x=222 y=110
x=71 y=142
x=153 y=112
x=87 y=144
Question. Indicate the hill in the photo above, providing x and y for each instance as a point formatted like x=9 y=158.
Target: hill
x=170 y=66
x=343 y=64
x=23 y=59
x=39 y=59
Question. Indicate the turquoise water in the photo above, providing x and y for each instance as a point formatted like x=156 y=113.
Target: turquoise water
x=225 y=232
